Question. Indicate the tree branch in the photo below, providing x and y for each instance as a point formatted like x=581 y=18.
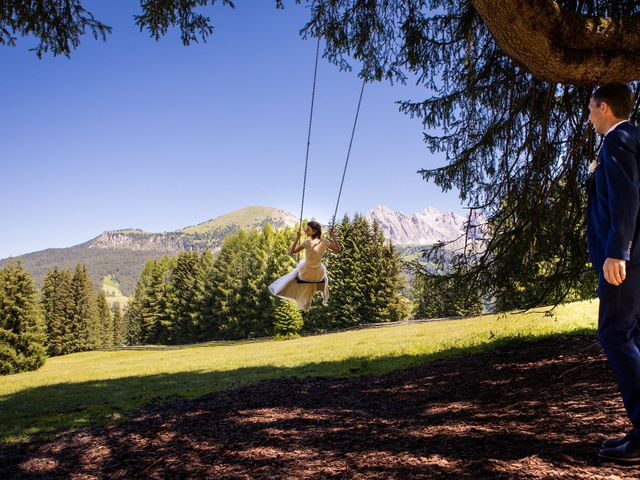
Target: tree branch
x=561 y=46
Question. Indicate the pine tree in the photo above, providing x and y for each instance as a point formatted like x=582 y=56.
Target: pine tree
x=287 y=320
x=439 y=294
x=513 y=130
x=186 y=298
x=84 y=330
x=251 y=308
x=104 y=319
x=225 y=288
x=364 y=280
x=239 y=302
x=119 y=326
x=148 y=317
x=137 y=327
x=57 y=305
x=345 y=280
x=157 y=318
x=22 y=327
x=384 y=301
x=131 y=316
x=279 y=261
x=205 y=269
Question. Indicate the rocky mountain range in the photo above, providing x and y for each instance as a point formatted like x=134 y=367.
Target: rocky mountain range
x=418 y=229
x=123 y=253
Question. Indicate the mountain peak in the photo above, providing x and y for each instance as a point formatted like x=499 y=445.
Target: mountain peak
x=422 y=228
x=247 y=218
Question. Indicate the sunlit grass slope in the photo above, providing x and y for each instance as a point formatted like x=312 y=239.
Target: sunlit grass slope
x=245 y=218
x=102 y=386
x=112 y=291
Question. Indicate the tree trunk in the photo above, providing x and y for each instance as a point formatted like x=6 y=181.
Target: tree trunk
x=561 y=46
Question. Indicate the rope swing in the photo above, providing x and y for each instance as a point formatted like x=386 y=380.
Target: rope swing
x=306 y=160
x=346 y=162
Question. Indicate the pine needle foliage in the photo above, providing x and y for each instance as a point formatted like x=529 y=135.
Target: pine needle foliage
x=22 y=330
x=287 y=320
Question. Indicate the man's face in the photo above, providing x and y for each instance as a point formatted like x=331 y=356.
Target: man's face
x=598 y=116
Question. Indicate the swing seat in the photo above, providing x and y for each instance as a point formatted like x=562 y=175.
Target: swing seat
x=298 y=280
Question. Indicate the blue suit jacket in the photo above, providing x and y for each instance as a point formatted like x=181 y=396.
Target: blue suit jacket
x=613 y=210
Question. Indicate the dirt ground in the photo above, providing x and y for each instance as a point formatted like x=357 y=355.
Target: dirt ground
x=534 y=412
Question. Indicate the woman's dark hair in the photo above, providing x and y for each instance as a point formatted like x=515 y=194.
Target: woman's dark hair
x=618 y=96
x=316 y=227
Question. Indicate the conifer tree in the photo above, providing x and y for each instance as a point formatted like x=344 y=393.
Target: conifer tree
x=22 y=331
x=157 y=318
x=240 y=304
x=137 y=327
x=279 y=261
x=227 y=287
x=104 y=320
x=364 y=280
x=390 y=38
x=148 y=317
x=84 y=329
x=384 y=303
x=131 y=317
x=204 y=271
x=119 y=326
x=439 y=294
x=287 y=320
x=57 y=305
x=186 y=298
x=254 y=261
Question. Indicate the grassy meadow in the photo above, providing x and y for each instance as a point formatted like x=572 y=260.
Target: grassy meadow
x=112 y=291
x=106 y=386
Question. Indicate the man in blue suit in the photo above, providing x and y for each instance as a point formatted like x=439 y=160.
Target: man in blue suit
x=613 y=238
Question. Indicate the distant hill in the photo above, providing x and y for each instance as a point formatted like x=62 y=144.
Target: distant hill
x=206 y=235
x=123 y=265
x=121 y=254
x=246 y=218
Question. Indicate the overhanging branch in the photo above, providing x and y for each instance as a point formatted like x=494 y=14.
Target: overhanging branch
x=561 y=46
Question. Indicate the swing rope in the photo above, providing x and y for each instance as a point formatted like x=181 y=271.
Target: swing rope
x=346 y=163
x=306 y=160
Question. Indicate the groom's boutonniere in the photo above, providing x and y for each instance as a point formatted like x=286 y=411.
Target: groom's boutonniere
x=596 y=161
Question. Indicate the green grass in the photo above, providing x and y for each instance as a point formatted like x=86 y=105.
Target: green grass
x=112 y=291
x=80 y=388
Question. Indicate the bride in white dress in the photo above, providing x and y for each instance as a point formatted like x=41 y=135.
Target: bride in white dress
x=310 y=276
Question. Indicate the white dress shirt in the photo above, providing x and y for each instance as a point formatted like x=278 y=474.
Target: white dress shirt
x=594 y=164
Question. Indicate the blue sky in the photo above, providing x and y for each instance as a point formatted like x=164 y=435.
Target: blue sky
x=154 y=135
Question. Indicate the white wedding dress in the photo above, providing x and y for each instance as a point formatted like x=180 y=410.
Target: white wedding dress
x=311 y=269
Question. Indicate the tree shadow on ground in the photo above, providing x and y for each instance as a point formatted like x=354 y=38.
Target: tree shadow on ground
x=525 y=410
x=39 y=411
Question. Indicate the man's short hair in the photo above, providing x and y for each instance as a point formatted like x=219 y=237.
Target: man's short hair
x=618 y=96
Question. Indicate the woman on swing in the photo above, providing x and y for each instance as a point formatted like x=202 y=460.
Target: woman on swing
x=310 y=276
